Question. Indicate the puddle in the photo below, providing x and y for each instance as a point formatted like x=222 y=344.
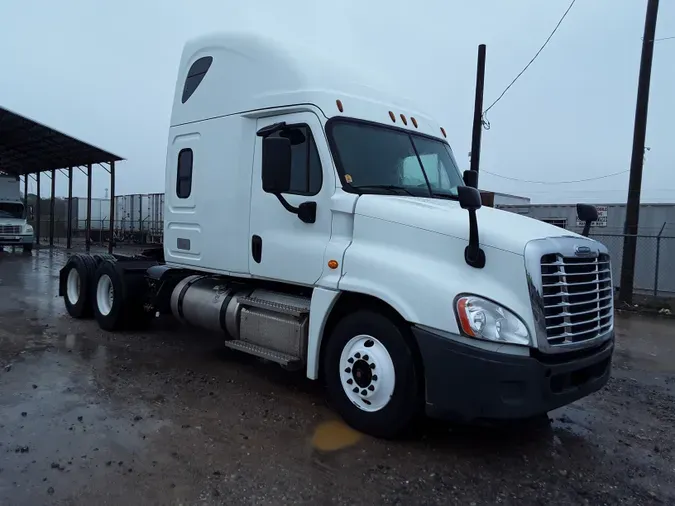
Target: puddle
x=334 y=435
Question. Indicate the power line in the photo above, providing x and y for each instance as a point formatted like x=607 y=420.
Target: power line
x=624 y=190
x=486 y=123
x=555 y=182
x=664 y=38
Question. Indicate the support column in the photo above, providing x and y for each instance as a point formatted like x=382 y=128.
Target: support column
x=25 y=192
x=51 y=210
x=38 y=214
x=88 y=207
x=69 y=225
x=112 y=207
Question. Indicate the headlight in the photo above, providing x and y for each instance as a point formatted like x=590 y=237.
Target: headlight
x=484 y=319
x=29 y=229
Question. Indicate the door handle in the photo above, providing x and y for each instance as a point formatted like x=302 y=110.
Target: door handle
x=256 y=248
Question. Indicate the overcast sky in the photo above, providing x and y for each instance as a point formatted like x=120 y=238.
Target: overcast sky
x=105 y=71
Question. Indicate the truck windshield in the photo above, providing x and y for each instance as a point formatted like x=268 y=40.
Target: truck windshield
x=11 y=210
x=377 y=159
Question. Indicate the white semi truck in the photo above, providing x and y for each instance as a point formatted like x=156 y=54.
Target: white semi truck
x=320 y=224
x=14 y=229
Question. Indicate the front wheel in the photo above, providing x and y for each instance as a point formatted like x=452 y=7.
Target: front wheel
x=371 y=374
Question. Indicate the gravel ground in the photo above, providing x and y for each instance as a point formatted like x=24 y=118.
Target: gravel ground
x=168 y=417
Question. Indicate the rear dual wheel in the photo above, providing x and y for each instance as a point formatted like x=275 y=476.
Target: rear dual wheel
x=78 y=272
x=119 y=298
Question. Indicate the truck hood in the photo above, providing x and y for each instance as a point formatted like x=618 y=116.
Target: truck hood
x=12 y=221
x=499 y=229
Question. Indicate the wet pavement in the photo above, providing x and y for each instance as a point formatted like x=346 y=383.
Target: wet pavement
x=168 y=417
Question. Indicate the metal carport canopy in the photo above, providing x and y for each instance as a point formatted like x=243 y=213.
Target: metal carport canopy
x=28 y=147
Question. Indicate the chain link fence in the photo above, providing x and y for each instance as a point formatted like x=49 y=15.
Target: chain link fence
x=654 y=262
x=124 y=232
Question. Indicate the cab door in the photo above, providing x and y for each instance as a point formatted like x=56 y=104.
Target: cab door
x=282 y=246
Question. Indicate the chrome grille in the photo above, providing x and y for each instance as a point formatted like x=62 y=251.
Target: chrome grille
x=10 y=229
x=577 y=296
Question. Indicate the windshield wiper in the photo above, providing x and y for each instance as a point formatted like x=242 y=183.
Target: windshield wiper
x=449 y=196
x=392 y=188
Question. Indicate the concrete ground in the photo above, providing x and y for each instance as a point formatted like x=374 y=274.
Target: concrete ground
x=167 y=417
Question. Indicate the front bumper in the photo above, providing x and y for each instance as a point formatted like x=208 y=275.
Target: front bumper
x=16 y=240
x=467 y=384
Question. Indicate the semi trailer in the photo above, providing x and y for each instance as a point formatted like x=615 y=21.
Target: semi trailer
x=319 y=223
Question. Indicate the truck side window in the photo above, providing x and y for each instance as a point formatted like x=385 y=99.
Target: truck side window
x=184 y=174
x=306 y=172
x=195 y=75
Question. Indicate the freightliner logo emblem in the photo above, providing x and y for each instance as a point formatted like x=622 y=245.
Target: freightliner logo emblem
x=583 y=251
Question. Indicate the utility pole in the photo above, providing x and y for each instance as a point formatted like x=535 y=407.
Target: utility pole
x=478 y=110
x=637 y=158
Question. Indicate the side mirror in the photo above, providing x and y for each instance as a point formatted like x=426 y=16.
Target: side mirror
x=469 y=197
x=31 y=213
x=588 y=214
x=276 y=165
x=471 y=178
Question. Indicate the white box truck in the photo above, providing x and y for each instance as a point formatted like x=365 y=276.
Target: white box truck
x=322 y=225
x=14 y=229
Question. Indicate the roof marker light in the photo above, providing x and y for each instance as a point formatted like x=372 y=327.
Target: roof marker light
x=414 y=121
x=339 y=105
x=392 y=116
x=405 y=121
x=443 y=132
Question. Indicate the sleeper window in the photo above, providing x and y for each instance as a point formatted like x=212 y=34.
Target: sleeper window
x=184 y=174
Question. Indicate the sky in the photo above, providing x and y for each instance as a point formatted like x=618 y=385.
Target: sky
x=105 y=72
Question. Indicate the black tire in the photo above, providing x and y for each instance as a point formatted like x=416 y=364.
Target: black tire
x=27 y=248
x=114 y=318
x=129 y=289
x=85 y=268
x=406 y=400
x=99 y=258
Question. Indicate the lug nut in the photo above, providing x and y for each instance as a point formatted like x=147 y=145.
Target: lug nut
x=351 y=360
x=364 y=392
x=356 y=390
x=371 y=387
x=374 y=377
x=365 y=357
x=357 y=355
x=372 y=366
x=348 y=370
x=350 y=381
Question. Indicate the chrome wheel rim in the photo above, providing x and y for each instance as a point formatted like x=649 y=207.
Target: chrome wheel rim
x=367 y=373
x=105 y=295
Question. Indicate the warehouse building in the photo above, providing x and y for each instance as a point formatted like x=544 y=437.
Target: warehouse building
x=654 y=218
x=655 y=255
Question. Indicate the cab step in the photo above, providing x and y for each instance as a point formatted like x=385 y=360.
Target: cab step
x=284 y=359
x=278 y=303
